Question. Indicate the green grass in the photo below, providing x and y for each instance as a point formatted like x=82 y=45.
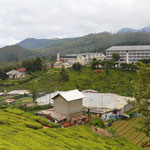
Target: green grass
x=21 y=131
x=127 y=129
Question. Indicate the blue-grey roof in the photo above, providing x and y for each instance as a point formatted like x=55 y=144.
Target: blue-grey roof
x=134 y=47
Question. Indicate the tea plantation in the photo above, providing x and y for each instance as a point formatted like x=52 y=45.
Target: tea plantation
x=49 y=80
x=22 y=131
x=128 y=129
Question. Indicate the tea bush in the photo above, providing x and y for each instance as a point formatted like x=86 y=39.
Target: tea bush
x=33 y=125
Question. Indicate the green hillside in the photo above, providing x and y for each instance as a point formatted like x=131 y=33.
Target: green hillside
x=117 y=81
x=21 y=131
x=31 y=43
x=49 y=80
x=15 y=53
x=127 y=129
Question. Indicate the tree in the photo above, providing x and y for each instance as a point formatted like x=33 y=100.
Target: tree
x=34 y=94
x=28 y=64
x=64 y=74
x=76 y=66
x=3 y=75
x=32 y=65
x=142 y=95
x=37 y=64
x=95 y=63
x=115 y=56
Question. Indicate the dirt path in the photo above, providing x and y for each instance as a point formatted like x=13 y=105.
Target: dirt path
x=100 y=131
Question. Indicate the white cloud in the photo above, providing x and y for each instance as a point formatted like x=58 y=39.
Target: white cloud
x=20 y=19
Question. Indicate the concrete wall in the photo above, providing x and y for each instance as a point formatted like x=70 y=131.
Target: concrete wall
x=75 y=108
x=61 y=105
x=70 y=109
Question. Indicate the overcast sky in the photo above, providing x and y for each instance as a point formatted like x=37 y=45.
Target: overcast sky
x=20 y=19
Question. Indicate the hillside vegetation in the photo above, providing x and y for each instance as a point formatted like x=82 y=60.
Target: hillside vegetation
x=49 y=80
x=20 y=131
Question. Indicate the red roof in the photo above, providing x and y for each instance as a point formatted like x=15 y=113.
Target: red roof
x=21 y=69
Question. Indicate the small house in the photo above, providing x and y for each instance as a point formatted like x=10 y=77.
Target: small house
x=14 y=74
x=68 y=103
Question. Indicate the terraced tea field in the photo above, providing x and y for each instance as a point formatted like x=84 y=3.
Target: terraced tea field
x=127 y=128
x=22 y=131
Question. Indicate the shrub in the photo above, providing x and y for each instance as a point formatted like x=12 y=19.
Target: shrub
x=54 y=125
x=4 y=121
x=76 y=66
x=33 y=125
x=20 y=96
x=4 y=105
x=97 y=122
x=36 y=107
x=112 y=131
x=15 y=111
x=43 y=121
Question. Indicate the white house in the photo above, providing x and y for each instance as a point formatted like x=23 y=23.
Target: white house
x=14 y=74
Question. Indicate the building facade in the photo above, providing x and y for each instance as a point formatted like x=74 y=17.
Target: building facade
x=83 y=59
x=129 y=54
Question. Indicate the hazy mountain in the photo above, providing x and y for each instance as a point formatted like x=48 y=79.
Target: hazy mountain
x=15 y=53
x=126 y=30
x=145 y=29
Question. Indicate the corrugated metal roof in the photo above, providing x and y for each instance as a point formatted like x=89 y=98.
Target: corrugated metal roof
x=89 y=91
x=47 y=99
x=91 y=100
x=105 y=100
x=70 y=95
x=13 y=72
x=53 y=114
x=134 y=47
x=19 y=92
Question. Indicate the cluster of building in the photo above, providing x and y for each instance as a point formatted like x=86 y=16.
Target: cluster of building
x=71 y=105
x=128 y=54
x=83 y=59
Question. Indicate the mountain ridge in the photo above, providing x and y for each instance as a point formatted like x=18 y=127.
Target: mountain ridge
x=127 y=29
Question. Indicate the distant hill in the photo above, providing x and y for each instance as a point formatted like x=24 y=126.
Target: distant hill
x=146 y=29
x=126 y=30
x=31 y=43
x=15 y=53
